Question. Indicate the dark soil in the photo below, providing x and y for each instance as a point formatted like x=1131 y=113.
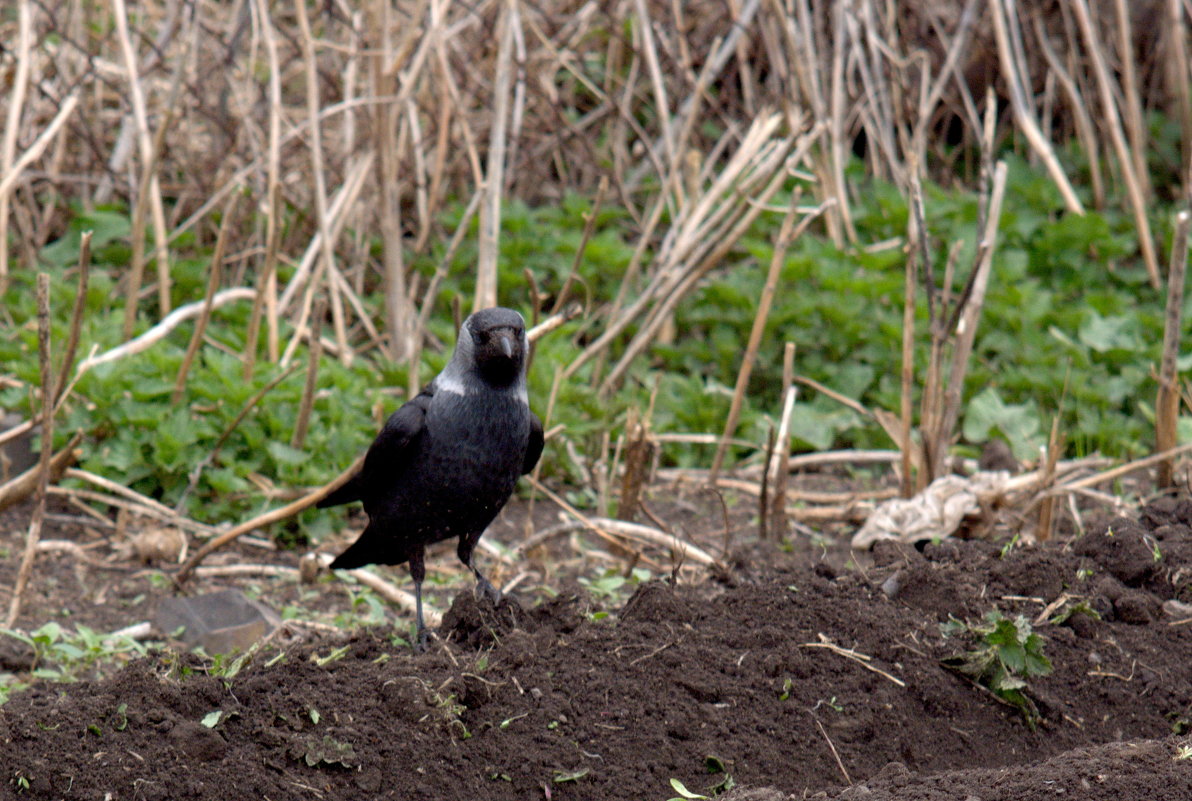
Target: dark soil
x=722 y=677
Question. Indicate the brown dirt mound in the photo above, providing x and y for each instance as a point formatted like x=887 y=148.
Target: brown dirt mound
x=736 y=676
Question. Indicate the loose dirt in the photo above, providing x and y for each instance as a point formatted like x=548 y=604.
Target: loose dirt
x=800 y=679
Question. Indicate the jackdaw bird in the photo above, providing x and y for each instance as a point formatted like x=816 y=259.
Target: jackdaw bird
x=448 y=459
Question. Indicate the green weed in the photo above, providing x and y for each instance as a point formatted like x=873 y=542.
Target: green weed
x=1006 y=654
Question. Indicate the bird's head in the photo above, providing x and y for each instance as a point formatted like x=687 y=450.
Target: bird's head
x=493 y=343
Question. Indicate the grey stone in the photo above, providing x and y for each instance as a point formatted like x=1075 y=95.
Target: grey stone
x=221 y=622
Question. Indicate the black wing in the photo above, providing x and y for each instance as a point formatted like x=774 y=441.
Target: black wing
x=534 y=448
x=388 y=451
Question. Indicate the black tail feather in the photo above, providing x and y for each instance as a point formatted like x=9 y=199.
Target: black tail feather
x=348 y=492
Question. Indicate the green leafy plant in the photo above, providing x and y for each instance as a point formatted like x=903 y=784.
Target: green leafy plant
x=60 y=654
x=1005 y=655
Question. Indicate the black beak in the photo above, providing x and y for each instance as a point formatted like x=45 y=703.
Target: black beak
x=506 y=341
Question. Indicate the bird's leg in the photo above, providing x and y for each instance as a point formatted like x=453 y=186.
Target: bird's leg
x=467 y=544
x=418 y=573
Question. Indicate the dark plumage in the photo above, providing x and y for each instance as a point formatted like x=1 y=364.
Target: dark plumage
x=447 y=460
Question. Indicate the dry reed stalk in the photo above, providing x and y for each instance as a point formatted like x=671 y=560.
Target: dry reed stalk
x=969 y=312
x=22 y=486
x=327 y=243
x=1136 y=131
x=1086 y=132
x=265 y=519
x=398 y=321
x=145 y=145
x=494 y=178
x=1047 y=507
x=906 y=478
x=777 y=260
x=704 y=233
x=47 y=449
x=1167 y=405
x=213 y=280
x=306 y=405
x=1179 y=76
x=779 y=466
x=162 y=329
x=1013 y=72
x=16 y=105
x=1126 y=160
x=265 y=302
x=76 y=319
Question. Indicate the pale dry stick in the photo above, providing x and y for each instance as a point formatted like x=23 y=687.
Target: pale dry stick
x=12 y=124
x=609 y=529
x=22 y=486
x=667 y=296
x=1047 y=506
x=1113 y=122
x=970 y=311
x=298 y=440
x=1120 y=470
x=266 y=299
x=47 y=449
x=1178 y=72
x=155 y=507
x=353 y=184
x=213 y=281
x=1132 y=104
x=162 y=329
x=1086 y=132
x=911 y=280
x=145 y=143
x=848 y=653
x=266 y=291
x=76 y=494
x=1167 y=405
x=777 y=260
x=326 y=240
x=781 y=467
x=488 y=239
x=955 y=49
x=340 y=204
x=267 y=518
x=847 y=779
x=10 y=178
x=657 y=84
x=1012 y=73
x=398 y=313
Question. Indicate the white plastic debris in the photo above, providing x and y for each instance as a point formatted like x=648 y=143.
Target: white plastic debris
x=934 y=513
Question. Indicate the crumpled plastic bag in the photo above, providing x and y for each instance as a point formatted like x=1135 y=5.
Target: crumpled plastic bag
x=934 y=513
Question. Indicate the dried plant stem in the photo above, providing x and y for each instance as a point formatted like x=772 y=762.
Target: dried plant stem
x=777 y=259
x=298 y=440
x=213 y=280
x=1178 y=73
x=47 y=448
x=494 y=180
x=145 y=142
x=1012 y=71
x=1113 y=123
x=16 y=105
x=906 y=478
x=326 y=238
x=162 y=329
x=21 y=487
x=969 y=314
x=268 y=518
x=76 y=319
x=1167 y=405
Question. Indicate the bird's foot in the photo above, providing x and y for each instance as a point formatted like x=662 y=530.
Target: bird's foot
x=421 y=640
x=486 y=590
